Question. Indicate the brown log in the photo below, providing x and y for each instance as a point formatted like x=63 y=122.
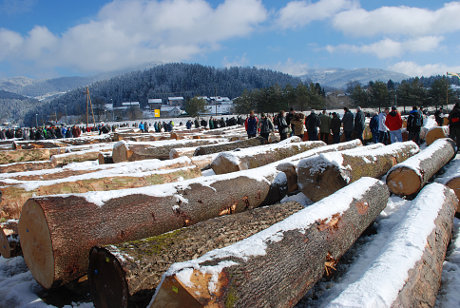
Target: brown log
x=451 y=178
x=180 y=152
x=276 y=267
x=15 y=196
x=228 y=146
x=407 y=271
x=136 y=137
x=407 y=178
x=254 y=157
x=9 y=239
x=138 y=265
x=105 y=158
x=39 y=144
x=436 y=133
x=26 y=166
x=322 y=175
x=130 y=151
x=74 y=157
x=14 y=156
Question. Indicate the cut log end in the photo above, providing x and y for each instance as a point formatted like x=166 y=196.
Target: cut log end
x=36 y=243
x=9 y=240
x=455 y=185
x=404 y=181
x=109 y=289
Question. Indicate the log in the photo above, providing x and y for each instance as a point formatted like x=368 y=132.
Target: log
x=14 y=156
x=407 y=178
x=9 y=239
x=130 y=151
x=39 y=144
x=14 y=196
x=436 y=133
x=253 y=157
x=132 y=214
x=322 y=175
x=74 y=157
x=143 y=137
x=26 y=166
x=276 y=267
x=138 y=265
x=406 y=272
x=228 y=146
x=451 y=178
x=105 y=158
x=180 y=152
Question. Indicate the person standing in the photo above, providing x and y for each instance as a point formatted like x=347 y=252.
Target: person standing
x=251 y=124
x=414 y=125
x=383 y=129
x=348 y=124
x=312 y=122
x=394 y=124
x=335 y=127
x=325 y=126
x=360 y=123
x=282 y=125
x=439 y=116
x=374 y=126
x=266 y=126
x=289 y=118
x=454 y=125
x=298 y=125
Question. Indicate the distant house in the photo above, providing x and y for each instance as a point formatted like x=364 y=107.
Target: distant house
x=170 y=111
x=176 y=101
x=219 y=105
x=128 y=105
x=154 y=103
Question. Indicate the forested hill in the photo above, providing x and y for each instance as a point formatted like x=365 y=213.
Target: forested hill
x=176 y=79
x=13 y=107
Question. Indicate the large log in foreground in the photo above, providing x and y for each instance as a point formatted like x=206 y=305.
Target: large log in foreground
x=407 y=178
x=228 y=146
x=322 y=175
x=451 y=178
x=9 y=239
x=138 y=265
x=254 y=157
x=276 y=267
x=131 y=151
x=435 y=133
x=406 y=272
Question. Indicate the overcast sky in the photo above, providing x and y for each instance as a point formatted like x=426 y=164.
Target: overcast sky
x=52 y=38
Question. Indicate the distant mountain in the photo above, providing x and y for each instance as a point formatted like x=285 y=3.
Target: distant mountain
x=14 y=106
x=15 y=84
x=339 y=78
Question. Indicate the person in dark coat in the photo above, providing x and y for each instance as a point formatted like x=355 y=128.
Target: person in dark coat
x=335 y=127
x=266 y=126
x=414 y=125
x=454 y=124
x=283 y=128
x=348 y=124
x=312 y=122
x=251 y=124
x=439 y=116
x=360 y=123
x=289 y=118
x=374 y=126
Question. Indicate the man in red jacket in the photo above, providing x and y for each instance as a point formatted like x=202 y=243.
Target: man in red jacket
x=394 y=124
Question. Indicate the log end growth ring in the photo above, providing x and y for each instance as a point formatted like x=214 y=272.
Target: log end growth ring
x=36 y=243
x=403 y=181
x=104 y=274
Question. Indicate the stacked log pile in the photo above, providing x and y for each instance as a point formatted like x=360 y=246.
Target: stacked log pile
x=216 y=148
x=322 y=175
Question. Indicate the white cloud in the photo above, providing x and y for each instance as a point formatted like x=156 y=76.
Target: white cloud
x=236 y=61
x=289 y=67
x=388 y=48
x=127 y=33
x=401 y=20
x=12 y=7
x=413 y=69
x=300 y=13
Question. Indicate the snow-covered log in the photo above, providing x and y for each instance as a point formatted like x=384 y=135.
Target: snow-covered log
x=14 y=196
x=138 y=137
x=105 y=158
x=322 y=175
x=14 y=156
x=26 y=166
x=435 y=133
x=408 y=177
x=407 y=270
x=276 y=267
x=138 y=265
x=73 y=157
x=9 y=239
x=132 y=151
x=38 y=144
x=179 y=152
x=228 y=146
x=254 y=157
x=451 y=178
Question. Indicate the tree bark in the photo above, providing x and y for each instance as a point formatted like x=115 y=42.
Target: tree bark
x=179 y=152
x=105 y=158
x=436 y=133
x=320 y=176
x=130 y=151
x=138 y=137
x=15 y=156
x=140 y=264
x=9 y=239
x=258 y=156
x=216 y=148
x=451 y=178
x=26 y=166
x=406 y=179
x=406 y=272
x=40 y=144
x=73 y=157
x=276 y=267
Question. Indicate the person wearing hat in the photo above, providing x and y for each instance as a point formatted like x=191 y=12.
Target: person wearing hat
x=265 y=126
x=394 y=124
x=325 y=126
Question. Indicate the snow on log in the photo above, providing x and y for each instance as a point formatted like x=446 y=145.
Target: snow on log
x=436 y=133
x=278 y=265
x=132 y=151
x=138 y=137
x=38 y=144
x=26 y=166
x=74 y=157
x=257 y=156
x=105 y=158
x=451 y=178
x=322 y=175
x=179 y=152
x=406 y=272
x=138 y=265
x=14 y=156
x=14 y=196
x=9 y=239
x=407 y=178
x=228 y=146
